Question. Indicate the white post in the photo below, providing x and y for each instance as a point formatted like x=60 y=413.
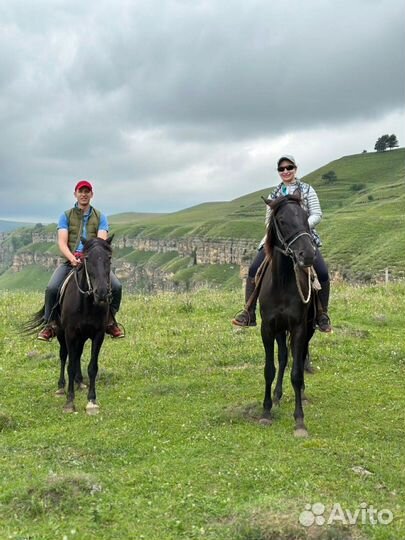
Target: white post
x=386 y=276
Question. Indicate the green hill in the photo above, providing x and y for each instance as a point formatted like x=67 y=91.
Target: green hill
x=363 y=227
x=32 y=277
x=130 y=217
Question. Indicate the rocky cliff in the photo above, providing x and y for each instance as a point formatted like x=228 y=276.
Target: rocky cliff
x=203 y=251
x=194 y=251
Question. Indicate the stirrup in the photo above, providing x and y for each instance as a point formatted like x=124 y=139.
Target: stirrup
x=324 y=323
x=114 y=330
x=244 y=319
x=47 y=333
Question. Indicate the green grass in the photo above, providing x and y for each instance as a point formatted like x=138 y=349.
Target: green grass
x=41 y=248
x=216 y=275
x=130 y=217
x=31 y=278
x=177 y=452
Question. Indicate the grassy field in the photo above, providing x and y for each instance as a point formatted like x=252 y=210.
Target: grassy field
x=177 y=451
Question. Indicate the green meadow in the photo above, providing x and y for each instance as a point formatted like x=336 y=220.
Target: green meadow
x=177 y=451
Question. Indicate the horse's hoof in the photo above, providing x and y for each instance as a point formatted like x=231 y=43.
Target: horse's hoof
x=69 y=408
x=81 y=386
x=92 y=408
x=265 y=421
x=60 y=392
x=301 y=433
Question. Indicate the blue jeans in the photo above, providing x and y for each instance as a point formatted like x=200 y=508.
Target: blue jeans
x=57 y=278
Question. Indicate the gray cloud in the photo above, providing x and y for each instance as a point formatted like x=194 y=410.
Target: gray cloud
x=155 y=96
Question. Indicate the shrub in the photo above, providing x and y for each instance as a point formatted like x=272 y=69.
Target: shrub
x=357 y=187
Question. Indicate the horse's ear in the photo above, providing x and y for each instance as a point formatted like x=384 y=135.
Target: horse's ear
x=297 y=193
x=267 y=201
x=110 y=239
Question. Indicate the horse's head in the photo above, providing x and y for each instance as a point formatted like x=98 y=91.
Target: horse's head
x=97 y=258
x=289 y=230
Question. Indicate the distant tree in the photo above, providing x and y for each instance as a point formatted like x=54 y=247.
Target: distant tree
x=392 y=142
x=329 y=177
x=382 y=143
x=357 y=187
x=364 y=152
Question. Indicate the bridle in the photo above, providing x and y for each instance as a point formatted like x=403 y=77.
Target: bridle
x=288 y=252
x=90 y=289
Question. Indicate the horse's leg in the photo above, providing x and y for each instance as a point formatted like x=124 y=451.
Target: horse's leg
x=79 y=378
x=310 y=332
x=307 y=358
x=282 y=363
x=307 y=369
x=269 y=371
x=62 y=357
x=75 y=349
x=298 y=340
x=307 y=363
x=92 y=407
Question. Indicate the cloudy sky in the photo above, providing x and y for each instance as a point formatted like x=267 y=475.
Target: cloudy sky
x=164 y=104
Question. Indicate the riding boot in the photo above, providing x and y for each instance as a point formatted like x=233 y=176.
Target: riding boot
x=248 y=316
x=113 y=329
x=323 y=319
x=116 y=292
x=48 y=332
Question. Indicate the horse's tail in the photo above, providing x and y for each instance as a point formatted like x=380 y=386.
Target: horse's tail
x=35 y=323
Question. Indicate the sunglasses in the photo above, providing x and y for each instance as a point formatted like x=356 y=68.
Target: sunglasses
x=288 y=168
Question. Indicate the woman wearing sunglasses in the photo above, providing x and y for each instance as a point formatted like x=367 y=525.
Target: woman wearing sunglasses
x=287 y=169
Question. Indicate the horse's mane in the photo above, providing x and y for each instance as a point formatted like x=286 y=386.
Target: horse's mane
x=274 y=206
x=93 y=242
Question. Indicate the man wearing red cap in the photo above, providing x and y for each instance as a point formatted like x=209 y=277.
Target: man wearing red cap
x=81 y=221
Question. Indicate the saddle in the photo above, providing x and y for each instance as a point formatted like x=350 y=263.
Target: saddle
x=64 y=285
x=315 y=285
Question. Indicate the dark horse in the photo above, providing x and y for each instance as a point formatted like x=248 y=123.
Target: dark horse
x=285 y=301
x=83 y=314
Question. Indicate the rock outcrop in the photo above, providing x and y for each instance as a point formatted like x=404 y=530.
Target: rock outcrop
x=198 y=251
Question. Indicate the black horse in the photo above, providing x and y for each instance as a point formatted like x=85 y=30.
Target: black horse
x=83 y=314
x=285 y=301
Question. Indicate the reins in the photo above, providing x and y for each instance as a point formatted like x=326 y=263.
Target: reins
x=297 y=280
x=90 y=288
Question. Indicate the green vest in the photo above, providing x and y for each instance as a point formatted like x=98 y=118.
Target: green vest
x=75 y=219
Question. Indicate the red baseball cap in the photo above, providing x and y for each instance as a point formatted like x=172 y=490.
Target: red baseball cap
x=83 y=183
